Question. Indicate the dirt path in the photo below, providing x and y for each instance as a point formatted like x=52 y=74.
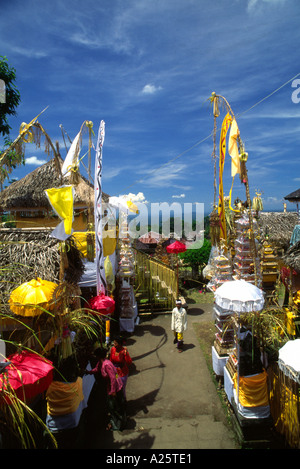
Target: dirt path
x=172 y=400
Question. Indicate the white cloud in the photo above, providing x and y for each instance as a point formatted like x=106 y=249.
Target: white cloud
x=151 y=89
x=29 y=53
x=273 y=203
x=139 y=197
x=165 y=176
x=181 y=196
x=252 y=4
x=111 y=173
x=34 y=161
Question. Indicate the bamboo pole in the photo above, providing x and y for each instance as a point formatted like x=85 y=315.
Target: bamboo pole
x=215 y=99
x=21 y=136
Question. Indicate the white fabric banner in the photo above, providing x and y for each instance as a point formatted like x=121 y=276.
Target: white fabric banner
x=101 y=280
x=69 y=160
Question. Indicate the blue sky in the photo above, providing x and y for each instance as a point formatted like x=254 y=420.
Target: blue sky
x=147 y=68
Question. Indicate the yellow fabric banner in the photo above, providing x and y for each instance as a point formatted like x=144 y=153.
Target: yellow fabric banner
x=253 y=390
x=61 y=199
x=109 y=242
x=64 y=398
x=233 y=149
x=284 y=400
x=221 y=208
x=81 y=242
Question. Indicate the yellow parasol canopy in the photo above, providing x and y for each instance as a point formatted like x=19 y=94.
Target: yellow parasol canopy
x=31 y=298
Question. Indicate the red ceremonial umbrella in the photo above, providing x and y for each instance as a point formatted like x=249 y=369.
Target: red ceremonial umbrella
x=102 y=304
x=176 y=248
x=28 y=374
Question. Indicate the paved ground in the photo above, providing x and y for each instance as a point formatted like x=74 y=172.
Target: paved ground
x=172 y=401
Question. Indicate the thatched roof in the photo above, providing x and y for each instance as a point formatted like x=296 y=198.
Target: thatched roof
x=292 y=257
x=278 y=226
x=26 y=253
x=29 y=192
x=293 y=196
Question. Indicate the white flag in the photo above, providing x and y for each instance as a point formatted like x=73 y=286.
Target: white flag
x=100 y=269
x=72 y=157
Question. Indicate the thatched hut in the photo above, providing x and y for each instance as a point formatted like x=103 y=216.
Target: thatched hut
x=28 y=204
x=27 y=253
x=294 y=197
x=278 y=227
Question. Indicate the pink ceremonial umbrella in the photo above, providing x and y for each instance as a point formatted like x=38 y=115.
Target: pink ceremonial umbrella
x=104 y=306
x=176 y=248
x=28 y=374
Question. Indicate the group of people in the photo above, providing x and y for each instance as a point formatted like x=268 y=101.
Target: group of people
x=113 y=366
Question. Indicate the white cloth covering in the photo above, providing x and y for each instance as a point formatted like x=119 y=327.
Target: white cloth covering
x=218 y=362
x=89 y=277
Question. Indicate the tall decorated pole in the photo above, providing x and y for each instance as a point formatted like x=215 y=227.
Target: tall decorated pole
x=101 y=280
x=221 y=208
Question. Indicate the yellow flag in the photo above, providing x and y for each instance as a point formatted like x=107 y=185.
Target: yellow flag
x=109 y=242
x=132 y=207
x=61 y=200
x=221 y=208
x=233 y=149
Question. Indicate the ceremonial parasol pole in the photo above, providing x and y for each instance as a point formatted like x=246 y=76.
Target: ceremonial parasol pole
x=176 y=248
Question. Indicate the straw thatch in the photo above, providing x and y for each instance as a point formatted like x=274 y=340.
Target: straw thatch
x=29 y=192
x=278 y=227
x=293 y=196
x=27 y=253
x=292 y=257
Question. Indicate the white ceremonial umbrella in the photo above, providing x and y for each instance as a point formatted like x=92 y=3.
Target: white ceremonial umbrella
x=239 y=296
x=289 y=356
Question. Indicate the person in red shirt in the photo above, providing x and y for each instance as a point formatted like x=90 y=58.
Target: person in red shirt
x=121 y=359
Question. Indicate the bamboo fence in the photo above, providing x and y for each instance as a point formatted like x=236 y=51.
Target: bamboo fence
x=155 y=283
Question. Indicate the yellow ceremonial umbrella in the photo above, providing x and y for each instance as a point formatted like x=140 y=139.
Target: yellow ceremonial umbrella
x=32 y=298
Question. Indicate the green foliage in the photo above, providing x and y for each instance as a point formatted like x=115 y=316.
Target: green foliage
x=12 y=95
x=197 y=257
x=8 y=107
x=206 y=227
x=12 y=159
x=7 y=221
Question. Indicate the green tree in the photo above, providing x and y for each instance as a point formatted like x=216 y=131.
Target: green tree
x=10 y=99
x=196 y=258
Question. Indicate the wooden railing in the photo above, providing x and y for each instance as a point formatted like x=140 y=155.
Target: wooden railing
x=155 y=284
